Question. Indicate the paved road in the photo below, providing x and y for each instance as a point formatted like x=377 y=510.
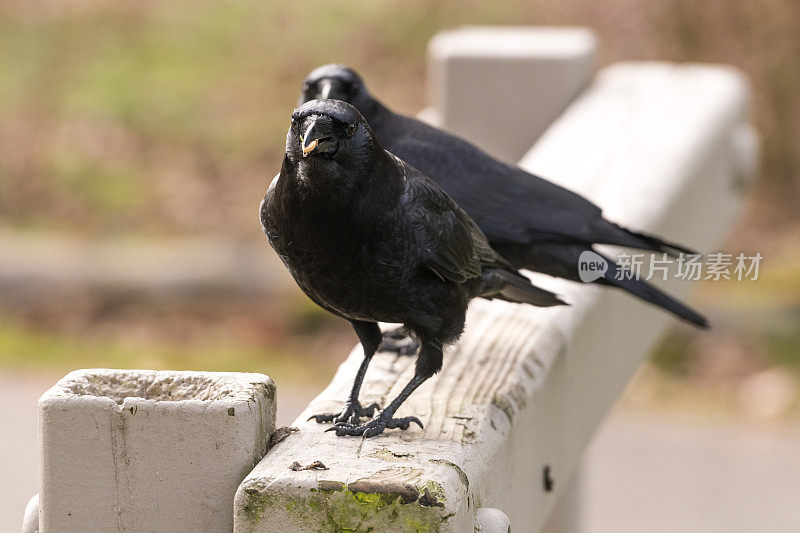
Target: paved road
x=646 y=471
x=18 y=395
x=658 y=472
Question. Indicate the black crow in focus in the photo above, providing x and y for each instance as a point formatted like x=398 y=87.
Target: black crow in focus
x=371 y=239
x=533 y=223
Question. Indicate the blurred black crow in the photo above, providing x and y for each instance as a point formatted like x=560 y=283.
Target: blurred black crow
x=371 y=239
x=535 y=224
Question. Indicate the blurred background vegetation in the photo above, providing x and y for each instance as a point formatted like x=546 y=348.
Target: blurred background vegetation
x=166 y=119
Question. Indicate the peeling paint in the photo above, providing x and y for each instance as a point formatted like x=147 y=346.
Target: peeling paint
x=461 y=474
x=388 y=455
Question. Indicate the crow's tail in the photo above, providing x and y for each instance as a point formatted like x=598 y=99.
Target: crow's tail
x=606 y=232
x=561 y=260
x=513 y=287
x=649 y=293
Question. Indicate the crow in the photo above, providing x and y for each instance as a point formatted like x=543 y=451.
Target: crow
x=533 y=223
x=371 y=239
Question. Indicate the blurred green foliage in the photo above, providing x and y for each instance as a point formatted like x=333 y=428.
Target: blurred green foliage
x=29 y=348
x=116 y=112
x=170 y=117
x=783 y=348
x=760 y=318
x=672 y=355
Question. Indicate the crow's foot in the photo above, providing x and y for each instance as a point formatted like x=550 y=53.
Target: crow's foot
x=399 y=342
x=351 y=414
x=375 y=426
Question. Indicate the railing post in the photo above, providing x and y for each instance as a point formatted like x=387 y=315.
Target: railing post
x=501 y=87
x=140 y=450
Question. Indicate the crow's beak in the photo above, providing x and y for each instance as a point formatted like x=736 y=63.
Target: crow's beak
x=317 y=137
x=307 y=142
x=308 y=148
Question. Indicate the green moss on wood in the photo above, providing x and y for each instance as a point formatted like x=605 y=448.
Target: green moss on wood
x=336 y=507
x=256 y=505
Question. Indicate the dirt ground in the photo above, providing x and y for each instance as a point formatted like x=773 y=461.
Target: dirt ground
x=646 y=470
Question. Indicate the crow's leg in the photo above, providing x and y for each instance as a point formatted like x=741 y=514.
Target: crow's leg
x=384 y=419
x=429 y=362
x=398 y=341
x=370 y=336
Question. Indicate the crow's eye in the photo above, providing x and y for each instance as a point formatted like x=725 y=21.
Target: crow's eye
x=294 y=124
x=351 y=128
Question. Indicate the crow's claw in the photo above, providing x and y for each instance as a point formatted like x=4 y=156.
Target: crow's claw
x=376 y=426
x=321 y=418
x=350 y=414
x=403 y=423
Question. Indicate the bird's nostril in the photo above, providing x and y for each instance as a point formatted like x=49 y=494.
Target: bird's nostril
x=326 y=145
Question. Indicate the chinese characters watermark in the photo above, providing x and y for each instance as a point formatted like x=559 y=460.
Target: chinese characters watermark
x=689 y=267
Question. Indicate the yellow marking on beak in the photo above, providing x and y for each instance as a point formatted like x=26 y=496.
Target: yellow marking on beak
x=310 y=147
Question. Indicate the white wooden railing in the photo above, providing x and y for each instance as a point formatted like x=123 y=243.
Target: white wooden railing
x=661 y=147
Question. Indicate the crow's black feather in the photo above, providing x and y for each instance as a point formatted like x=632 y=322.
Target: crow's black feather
x=371 y=239
x=515 y=209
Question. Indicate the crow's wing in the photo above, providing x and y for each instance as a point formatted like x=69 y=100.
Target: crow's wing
x=263 y=207
x=509 y=204
x=453 y=247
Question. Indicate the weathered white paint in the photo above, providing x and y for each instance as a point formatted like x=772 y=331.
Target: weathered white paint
x=501 y=87
x=30 y=520
x=657 y=146
x=488 y=520
x=567 y=514
x=141 y=451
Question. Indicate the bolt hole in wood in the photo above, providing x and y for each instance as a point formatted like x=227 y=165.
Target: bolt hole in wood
x=547 y=479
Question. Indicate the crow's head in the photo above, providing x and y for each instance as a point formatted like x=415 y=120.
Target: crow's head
x=333 y=149
x=335 y=82
x=330 y=133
